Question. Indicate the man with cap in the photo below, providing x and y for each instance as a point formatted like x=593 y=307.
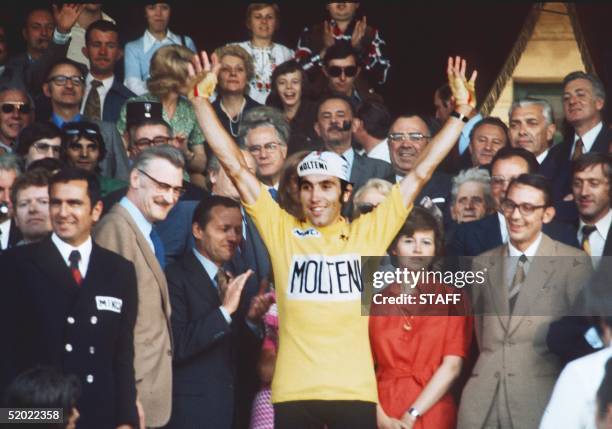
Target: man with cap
x=324 y=374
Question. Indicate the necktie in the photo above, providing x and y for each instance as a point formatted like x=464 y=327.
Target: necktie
x=587 y=230
x=74 y=258
x=158 y=247
x=274 y=193
x=578 y=150
x=221 y=279
x=92 y=104
x=517 y=281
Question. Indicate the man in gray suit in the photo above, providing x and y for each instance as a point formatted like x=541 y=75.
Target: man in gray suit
x=530 y=281
x=335 y=125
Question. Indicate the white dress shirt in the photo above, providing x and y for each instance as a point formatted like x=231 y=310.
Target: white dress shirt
x=597 y=239
x=211 y=269
x=514 y=253
x=5 y=229
x=503 y=227
x=541 y=157
x=65 y=249
x=380 y=151
x=573 y=401
x=588 y=139
x=102 y=91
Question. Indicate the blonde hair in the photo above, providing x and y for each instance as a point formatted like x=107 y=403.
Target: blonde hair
x=254 y=7
x=169 y=70
x=239 y=52
x=381 y=186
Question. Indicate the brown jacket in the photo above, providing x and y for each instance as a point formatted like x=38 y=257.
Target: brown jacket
x=513 y=352
x=118 y=232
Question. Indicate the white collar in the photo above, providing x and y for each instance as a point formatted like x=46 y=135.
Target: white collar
x=65 y=249
x=588 y=139
x=603 y=225
x=529 y=252
x=541 y=157
x=209 y=266
x=106 y=83
x=503 y=226
x=149 y=40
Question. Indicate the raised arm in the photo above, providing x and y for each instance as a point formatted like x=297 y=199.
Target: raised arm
x=202 y=81
x=437 y=149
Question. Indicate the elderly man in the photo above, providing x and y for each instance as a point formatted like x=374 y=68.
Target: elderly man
x=30 y=198
x=264 y=132
x=335 y=384
x=532 y=126
x=16 y=113
x=9 y=171
x=471 y=195
x=155 y=185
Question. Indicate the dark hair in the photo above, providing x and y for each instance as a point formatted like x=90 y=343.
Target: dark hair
x=338 y=51
x=66 y=61
x=604 y=393
x=83 y=130
x=537 y=181
x=344 y=98
x=44 y=387
x=103 y=26
x=202 y=213
x=37 y=177
x=375 y=117
x=38 y=8
x=429 y=122
x=421 y=219
x=69 y=174
x=290 y=66
x=445 y=94
x=49 y=164
x=34 y=132
x=288 y=173
x=254 y=7
x=598 y=89
x=592 y=159
x=508 y=152
x=490 y=120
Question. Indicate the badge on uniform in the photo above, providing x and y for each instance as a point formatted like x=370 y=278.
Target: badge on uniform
x=109 y=303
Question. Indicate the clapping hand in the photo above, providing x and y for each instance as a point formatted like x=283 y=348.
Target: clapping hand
x=202 y=75
x=359 y=32
x=464 y=91
x=66 y=16
x=231 y=299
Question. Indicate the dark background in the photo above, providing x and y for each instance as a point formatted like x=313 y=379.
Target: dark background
x=419 y=35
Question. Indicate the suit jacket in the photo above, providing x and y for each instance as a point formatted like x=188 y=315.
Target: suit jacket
x=557 y=166
x=364 y=169
x=514 y=356
x=115 y=98
x=75 y=329
x=205 y=349
x=118 y=232
x=14 y=236
x=474 y=238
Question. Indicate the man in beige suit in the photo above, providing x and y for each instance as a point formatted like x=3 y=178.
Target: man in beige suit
x=155 y=184
x=532 y=280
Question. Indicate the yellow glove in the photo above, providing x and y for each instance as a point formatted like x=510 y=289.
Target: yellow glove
x=202 y=79
x=464 y=91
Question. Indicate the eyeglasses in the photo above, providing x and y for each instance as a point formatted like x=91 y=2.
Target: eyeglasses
x=78 y=131
x=177 y=191
x=155 y=141
x=336 y=71
x=508 y=207
x=79 y=147
x=22 y=108
x=267 y=148
x=44 y=147
x=365 y=208
x=62 y=80
x=404 y=137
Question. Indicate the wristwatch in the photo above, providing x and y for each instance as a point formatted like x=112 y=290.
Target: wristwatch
x=414 y=412
x=458 y=115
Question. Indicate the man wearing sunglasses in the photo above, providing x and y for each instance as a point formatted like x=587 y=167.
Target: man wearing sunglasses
x=65 y=86
x=15 y=114
x=530 y=281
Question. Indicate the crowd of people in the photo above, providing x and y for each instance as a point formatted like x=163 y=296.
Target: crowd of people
x=183 y=248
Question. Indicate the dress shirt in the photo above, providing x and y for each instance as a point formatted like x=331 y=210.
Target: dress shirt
x=349 y=156
x=144 y=226
x=541 y=157
x=102 y=91
x=59 y=121
x=5 y=230
x=2 y=68
x=211 y=269
x=588 y=139
x=514 y=253
x=503 y=227
x=573 y=401
x=65 y=249
x=464 y=138
x=380 y=151
x=597 y=239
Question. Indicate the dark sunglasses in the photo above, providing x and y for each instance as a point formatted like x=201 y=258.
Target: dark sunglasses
x=365 y=208
x=79 y=131
x=336 y=71
x=22 y=108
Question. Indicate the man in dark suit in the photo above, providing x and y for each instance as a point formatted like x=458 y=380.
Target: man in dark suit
x=9 y=171
x=65 y=88
x=103 y=49
x=583 y=102
x=209 y=333
x=66 y=308
x=574 y=337
x=474 y=238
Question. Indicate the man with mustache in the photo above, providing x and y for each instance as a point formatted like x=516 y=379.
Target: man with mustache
x=155 y=184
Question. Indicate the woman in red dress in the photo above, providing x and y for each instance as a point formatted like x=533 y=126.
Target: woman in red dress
x=418 y=350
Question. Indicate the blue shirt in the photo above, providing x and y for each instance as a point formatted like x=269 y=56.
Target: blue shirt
x=211 y=269
x=144 y=226
x=464 y=138
x=57 y=120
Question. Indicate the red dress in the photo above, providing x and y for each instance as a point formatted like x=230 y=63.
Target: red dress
x=408 y=350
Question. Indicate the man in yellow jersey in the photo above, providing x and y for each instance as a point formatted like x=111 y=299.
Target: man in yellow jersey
x=324 y=374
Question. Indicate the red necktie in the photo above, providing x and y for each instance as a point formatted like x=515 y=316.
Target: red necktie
x=74 y=259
